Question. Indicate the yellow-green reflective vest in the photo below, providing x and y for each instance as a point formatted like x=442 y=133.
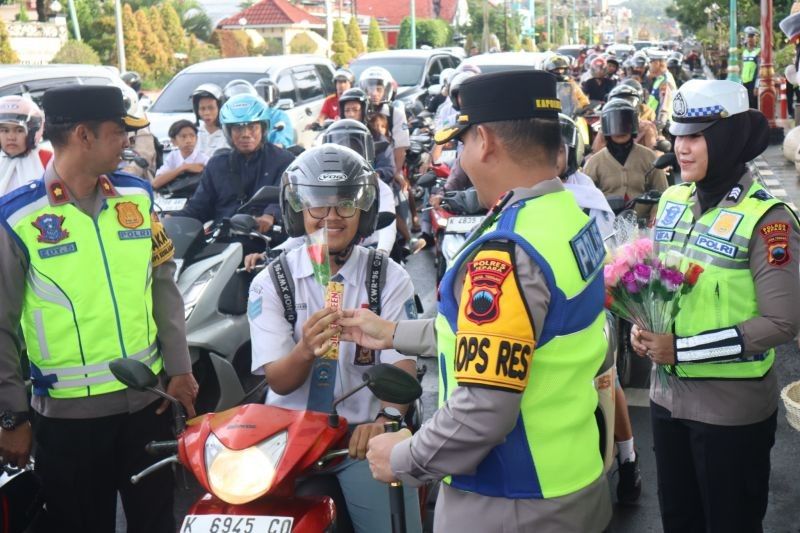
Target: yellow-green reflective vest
x=749 y=64
x=725 y=294
x=87 y=297
x=654 y=100
x=553 y=449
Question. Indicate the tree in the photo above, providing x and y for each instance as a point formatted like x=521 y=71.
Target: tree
x=157 y=25
x=172 y=25
x=77 y=52
x=134 y=57
x=431 y=32
x=354 y=37
x=302 y=44
x=7 y=54
x=194 y=19
x=231 y=43
x=375 y=42
x=342 y=54
x=197 y=51
x=152 y=52
x=22 y=16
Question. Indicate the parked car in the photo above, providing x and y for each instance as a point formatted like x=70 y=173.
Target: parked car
x=572 y=50
x=621 y=51
x=413 y=70
x=503 y=61
x=304 y=82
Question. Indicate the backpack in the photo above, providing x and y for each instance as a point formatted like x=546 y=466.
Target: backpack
x=281 y=278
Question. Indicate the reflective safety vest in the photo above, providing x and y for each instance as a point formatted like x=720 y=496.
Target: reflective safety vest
x=725 y=293
x=87 y=295
x=553 y=449
x=654 y=99
x=749 y=64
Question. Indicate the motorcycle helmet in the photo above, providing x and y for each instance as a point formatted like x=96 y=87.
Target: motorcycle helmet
x=344 y=74
x=243 y=109
x=133 y=80
x=444 y=79
x=206 y=90
x=352 y=134
x=597 y=67
x=639 y=60
x=238 y=86
x=268 y=90
x=630 y=82
x=558 y=66
x=673 y=63
x=455 y=86
x=20 y=111
x=619 y=118
x=354 y=95
x=374 y=77
x=574 y=143
x=627 y=93
x=750 y=30
x=329 y=175
x=468 y=67
x=21 y=499
x=611 y=60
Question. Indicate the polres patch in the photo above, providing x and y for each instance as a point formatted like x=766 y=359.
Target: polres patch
x=776 y=238
x=51 y=230
x=671 y=214
x=486 y=277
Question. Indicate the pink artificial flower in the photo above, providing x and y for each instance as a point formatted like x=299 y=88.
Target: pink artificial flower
x=642 y=273
x=610 y=276
x=643 y=249
x=629 y=282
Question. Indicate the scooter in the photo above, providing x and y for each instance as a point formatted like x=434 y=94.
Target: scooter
x=214 y=291
x=250 y=458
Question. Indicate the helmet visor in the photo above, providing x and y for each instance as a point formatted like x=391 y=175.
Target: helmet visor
x=375 y=89
x=345 y=197
x=569 y=133
x=619 y=123
x=14 y=119
x=360 y=142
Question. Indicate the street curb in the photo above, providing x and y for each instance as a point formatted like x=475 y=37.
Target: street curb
x=759 y=167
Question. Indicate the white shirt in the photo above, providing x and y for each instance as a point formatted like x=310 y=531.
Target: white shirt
x=384 y=237
x=208 y=143
x=590 y=197
x=272 y=336
x=174 y=159
x=18 y=171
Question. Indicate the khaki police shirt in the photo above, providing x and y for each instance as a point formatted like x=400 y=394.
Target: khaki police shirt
x=474 y=420
x=741 y=402
x=167 y=313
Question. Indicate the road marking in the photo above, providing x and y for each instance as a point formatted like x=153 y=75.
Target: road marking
x=766 y=172
x=772 y=182
x=779 y=192
x=637 y=397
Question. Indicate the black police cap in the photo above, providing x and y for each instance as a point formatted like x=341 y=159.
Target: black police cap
x=81 y=103
x=500 y=96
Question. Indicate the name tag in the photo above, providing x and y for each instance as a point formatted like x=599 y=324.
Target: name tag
x=664 y=235
x=134 y=234
x=723 y=248
x=53 y=251
x=588 y=249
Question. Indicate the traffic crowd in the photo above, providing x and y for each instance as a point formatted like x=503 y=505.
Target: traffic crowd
x=87 y=275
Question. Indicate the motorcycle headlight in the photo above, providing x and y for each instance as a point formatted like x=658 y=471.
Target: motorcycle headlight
x=196 y=289
x=241 y=476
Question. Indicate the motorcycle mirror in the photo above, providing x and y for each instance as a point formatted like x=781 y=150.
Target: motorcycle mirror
x=663 y=146
x=385 y=219
x=666 y=160
x=280 y=126
x=133 y=373
x=243 y=223
x=267 y=194
x=390 y=384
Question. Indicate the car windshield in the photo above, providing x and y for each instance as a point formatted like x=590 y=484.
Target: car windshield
x=488 y=69
x=176 y=97
x=404 y=70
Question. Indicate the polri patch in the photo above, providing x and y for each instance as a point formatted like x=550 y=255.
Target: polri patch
x=670 y=216
x=51 y=230
x=717 y=246
x=724 y=226
x=588 y=249
x=776 y=237
x=128 y=215
x=129 y=234
x=486 y=277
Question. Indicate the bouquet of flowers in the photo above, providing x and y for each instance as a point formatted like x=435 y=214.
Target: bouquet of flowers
x=317 y=248
x=643 y=289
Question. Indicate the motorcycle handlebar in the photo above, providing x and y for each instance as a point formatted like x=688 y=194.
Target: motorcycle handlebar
x=161 y=447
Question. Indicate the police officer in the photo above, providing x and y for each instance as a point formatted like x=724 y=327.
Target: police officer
x=662 y=88
x=714 y=413
x=751 y=59
x=86 y=270
x=515 y=438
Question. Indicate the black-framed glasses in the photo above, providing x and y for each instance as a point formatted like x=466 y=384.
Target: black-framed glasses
x=343 y=210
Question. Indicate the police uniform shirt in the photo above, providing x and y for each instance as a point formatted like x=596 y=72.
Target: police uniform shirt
x=167 y=313
x=476 y=419
x=745 y=401
x=273 y=337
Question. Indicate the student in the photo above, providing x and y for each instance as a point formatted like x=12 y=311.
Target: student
x=186 y=158
x=206 y=104
x=21 y=126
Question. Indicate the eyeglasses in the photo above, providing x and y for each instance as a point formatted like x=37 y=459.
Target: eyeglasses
x=252 y=127
x=343 y=210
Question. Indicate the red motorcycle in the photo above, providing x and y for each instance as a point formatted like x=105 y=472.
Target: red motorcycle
x=250 y=457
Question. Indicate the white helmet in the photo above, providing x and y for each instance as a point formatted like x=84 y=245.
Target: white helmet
x=377 y=77
x=698 y=104
x=444 y=79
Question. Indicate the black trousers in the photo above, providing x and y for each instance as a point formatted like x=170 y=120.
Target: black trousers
x=712 y=479
x=753 y=99
x=83 y=463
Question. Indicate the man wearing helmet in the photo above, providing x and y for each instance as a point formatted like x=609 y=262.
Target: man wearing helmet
x=289 y=354
x=570 y=94
x=378 y=84
x=281 y=132
x=638 y=67
x=662 y=89
x=206 y=103
x=751 y=60
x=344 y=80
x=598 y=86
x=675 y=67
x=630 y=91
x=21 y=127
x=231 y=178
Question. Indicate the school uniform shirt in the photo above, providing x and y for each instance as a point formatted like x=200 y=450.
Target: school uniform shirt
x=273 y=337
x=18 y=171
x=174 y=159
x=208 y=143
x=590 y=199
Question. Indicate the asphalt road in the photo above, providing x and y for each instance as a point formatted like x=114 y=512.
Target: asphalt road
x=783 y=515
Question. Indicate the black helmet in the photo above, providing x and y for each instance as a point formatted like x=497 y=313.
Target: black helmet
x=354 y=95
x=21 y=499
x=559 y=66
x=238 y=86
x=639 y=60
x=630 y=82
x=133 y=80
x=673 y=63
x=206 y=90
x=352 y=134
x=329 y=175
x=268 y=90
x=574 y=142
x=619 y=118
x=626 y=92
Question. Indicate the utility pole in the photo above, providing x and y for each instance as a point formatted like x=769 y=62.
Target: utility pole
x=120 y=40
x=329 y=24
x=575 y=22
x=767 y=95
x=550 y=22
x=485 y=27
x=532 y=15
x=505 y=25
x=413 y=25
x=733 y=49
x=73 y=15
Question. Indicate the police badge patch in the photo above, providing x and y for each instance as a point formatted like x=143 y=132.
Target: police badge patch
x=670 y=216
x=486 y=277
x=679 y=105
x=128 y=215
x=50 y=228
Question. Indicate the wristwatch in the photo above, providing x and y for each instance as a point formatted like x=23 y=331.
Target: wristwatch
x=9 y=420
x=391 y=414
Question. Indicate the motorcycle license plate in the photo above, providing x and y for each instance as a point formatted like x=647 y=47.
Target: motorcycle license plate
x=171 y=204
x=220 y=523
x=462 y=224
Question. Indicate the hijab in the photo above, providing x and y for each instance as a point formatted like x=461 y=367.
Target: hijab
x=620 y=152
x=732 y=142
